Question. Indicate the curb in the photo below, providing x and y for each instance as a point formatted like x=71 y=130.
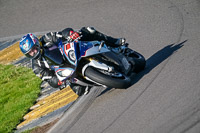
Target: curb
x=57 y=114
x=52 y=102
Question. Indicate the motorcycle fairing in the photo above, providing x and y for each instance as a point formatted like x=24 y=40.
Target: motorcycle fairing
x=81 y=49
x=85 y=49
x=65 y=48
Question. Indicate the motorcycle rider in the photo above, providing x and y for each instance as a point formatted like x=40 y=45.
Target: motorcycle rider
x=33 y=48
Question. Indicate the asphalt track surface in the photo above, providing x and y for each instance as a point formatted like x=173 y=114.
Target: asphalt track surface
x=165 y=97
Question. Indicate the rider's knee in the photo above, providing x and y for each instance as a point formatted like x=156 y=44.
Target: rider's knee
x=89 y=30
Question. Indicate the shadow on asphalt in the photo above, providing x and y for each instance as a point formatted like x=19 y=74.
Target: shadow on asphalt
x=154 y=61
x=84 y=102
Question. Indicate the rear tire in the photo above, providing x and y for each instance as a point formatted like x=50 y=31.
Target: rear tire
x=138 y=59
x=109 y=81
x=140 y=63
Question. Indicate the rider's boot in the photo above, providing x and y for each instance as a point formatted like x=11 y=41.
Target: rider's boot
x=110 y=41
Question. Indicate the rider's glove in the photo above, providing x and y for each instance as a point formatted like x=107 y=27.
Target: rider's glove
x=73 y=36
x=50 y=39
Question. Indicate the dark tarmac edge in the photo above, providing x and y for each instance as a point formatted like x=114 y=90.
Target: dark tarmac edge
x=77 y=110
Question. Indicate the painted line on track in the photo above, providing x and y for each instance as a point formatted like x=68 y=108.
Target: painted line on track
x=21 y=35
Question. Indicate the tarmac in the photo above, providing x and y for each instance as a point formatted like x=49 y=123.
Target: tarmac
x=164 y=98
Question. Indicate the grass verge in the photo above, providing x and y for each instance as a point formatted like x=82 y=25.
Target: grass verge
x=19 y=88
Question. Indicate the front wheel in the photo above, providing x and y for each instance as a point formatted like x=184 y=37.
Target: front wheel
x=109 y=79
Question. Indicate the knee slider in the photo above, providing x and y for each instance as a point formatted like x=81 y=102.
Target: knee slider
x=91 y=30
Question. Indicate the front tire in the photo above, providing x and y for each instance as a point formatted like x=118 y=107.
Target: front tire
x=110 y=81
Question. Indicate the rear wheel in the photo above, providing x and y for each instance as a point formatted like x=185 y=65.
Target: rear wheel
x=137 y=59
x=110 y=79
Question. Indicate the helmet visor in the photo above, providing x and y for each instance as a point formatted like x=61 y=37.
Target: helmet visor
x=33 y=52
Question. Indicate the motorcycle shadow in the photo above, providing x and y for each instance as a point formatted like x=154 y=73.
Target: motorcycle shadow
x=154 y=61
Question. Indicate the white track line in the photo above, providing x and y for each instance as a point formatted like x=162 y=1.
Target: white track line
x=19 y=36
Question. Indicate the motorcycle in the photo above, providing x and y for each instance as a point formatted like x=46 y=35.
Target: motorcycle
x=94 y=63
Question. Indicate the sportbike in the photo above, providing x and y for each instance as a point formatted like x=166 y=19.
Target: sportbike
x=94 y=63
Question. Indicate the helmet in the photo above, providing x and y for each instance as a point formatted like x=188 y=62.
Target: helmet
x=30 y=46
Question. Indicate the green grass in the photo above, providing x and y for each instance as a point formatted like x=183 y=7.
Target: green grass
x=19 y=88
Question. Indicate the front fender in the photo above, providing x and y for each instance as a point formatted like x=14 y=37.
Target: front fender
x=97 y=65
